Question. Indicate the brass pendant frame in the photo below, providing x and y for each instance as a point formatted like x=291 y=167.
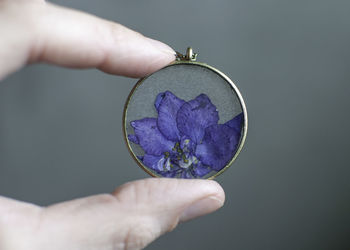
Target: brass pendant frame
x=189 y=59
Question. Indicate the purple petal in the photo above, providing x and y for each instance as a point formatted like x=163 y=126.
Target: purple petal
x=186 y=175
x=168 y=106
x=201 y=170
x=154 y=162
x=218 y=147
x=170 y=174
x=133 y=138
x=195 y=116
x=150 y=138
x=159 y=99
x=236 y=123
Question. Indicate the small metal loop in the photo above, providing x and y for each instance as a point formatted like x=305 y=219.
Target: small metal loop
x=189 y=53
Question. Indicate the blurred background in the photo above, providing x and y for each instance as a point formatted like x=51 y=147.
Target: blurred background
x=61 y=130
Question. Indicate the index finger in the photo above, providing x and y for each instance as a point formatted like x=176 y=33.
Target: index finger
x=75 y=39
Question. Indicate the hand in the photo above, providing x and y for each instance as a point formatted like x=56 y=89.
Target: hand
x=137 y=212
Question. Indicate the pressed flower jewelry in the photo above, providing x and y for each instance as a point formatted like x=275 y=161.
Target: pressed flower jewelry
x=187 y=120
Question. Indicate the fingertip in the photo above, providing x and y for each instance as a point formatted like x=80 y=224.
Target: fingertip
x=201 y=207
x=211 y=197
x=129 y=53
x=206 y=188
x=140 y=57
x=160 y=46
x=217 y=190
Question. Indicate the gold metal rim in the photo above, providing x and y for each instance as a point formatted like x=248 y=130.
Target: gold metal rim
x=226 y=78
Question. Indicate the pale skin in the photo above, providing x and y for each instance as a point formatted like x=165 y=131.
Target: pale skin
x=136 y=213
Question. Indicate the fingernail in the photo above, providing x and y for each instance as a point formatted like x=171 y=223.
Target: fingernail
x=161 y=46
x=201 y=207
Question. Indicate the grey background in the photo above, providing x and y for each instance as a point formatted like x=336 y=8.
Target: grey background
x=61 y=135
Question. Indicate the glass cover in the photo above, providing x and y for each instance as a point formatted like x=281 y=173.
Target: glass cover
x=186 y=120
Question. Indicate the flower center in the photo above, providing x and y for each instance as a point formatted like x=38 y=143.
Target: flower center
x=188 y=162
x=181 y=156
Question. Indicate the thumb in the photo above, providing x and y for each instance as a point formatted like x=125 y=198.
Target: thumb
x=133 y=216
x=169 y=201
x=155 y=206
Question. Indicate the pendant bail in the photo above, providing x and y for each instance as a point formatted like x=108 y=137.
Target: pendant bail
x=190 y=56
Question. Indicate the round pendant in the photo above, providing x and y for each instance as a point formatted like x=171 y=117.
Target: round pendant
x=187 y=120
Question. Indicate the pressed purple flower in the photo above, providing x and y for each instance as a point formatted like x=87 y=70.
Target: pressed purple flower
x=185 y=140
